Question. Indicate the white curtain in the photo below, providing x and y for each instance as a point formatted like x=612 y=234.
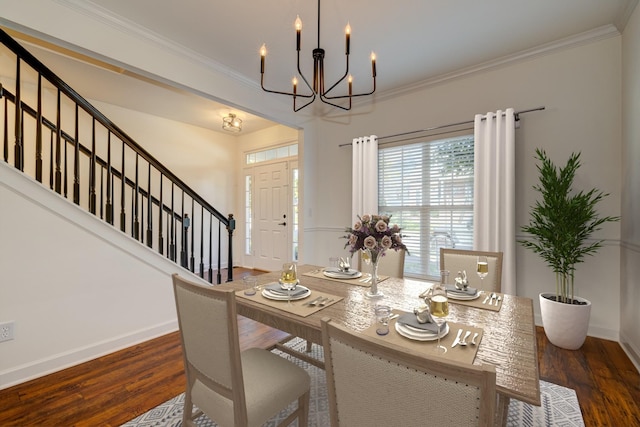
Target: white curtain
x=494 y=190
x=365 y=176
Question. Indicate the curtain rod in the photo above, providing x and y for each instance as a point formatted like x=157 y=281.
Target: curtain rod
x=516 y=114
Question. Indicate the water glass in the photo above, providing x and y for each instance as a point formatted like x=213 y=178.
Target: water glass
x=383 y=312
x=250 y=285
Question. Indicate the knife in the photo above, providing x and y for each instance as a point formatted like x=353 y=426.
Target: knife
x=457 y=340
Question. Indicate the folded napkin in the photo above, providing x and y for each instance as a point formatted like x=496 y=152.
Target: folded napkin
x=410 y=319
x=277 y=289
x=468 y=291
x=351 y=272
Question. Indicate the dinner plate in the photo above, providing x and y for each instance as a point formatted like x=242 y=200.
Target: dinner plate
x=462 y=297
x=413 y=334
x=335 y=274
x=284 y=297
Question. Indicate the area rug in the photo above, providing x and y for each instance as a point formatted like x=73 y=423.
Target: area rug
x=559 y=404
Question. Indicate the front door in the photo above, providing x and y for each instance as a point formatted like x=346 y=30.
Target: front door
x=272 y=211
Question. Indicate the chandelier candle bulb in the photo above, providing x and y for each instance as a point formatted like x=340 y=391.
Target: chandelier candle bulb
x=295 y=85
x=263 y=53
x=347 y=31
x=350 y=84
x=298 y=25
x=373 y=63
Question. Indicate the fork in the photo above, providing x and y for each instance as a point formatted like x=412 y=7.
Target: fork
x=316 y=301
x=325 y=302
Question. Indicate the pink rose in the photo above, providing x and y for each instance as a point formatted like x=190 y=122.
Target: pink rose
x=381 y=226
x=366 y=218
x=353 y=239
x=370 y=242
x=386 y=242
x=357 y=226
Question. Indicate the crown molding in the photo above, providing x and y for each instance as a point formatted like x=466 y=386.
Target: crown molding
x=97 y=12
x=570 y=42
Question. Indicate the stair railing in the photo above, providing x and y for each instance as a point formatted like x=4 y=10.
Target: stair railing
x=92 y=162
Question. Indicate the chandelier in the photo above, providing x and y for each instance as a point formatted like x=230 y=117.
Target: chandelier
x=317 y=88
x=232 y=123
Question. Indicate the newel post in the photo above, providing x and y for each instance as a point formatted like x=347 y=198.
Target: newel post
x=230 y=228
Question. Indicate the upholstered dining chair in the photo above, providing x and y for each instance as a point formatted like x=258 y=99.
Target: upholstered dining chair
x=371 y=382
x=231 y=387
x=392 y=264
x=456 y=260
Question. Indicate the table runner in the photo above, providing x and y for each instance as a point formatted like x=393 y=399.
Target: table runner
x=459 y=353
x=361 y=281
x=478 y=302
x=296 y=307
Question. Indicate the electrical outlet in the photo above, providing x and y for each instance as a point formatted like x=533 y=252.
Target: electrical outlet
x=6 y=331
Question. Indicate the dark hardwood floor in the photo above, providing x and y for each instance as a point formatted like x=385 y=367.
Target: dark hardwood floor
x=118 y=387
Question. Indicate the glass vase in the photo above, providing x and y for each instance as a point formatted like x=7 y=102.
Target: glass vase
x=374 y=292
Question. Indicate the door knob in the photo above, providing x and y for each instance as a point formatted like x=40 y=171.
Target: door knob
x=282 y=223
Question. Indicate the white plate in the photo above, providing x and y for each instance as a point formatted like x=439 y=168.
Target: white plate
x=463 y=297
x=283 y=297
x=412 y=334
x=353 y=274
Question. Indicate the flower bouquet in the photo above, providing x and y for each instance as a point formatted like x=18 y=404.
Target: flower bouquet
x=373 y=235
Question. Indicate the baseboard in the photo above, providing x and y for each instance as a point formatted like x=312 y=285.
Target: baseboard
x=633 y=353
x=58 y=362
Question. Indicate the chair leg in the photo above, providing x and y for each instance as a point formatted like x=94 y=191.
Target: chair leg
x=309 y=344
x=303 y=409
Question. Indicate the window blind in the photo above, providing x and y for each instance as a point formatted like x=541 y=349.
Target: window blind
x=428 y=189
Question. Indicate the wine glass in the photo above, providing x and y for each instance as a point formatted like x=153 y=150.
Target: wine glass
x=482 y=268
x=289 y=278
x=439 y=308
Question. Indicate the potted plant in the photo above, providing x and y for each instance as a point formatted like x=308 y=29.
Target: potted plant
x=560 y=224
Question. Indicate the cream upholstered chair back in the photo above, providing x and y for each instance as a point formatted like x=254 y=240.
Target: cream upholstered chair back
x=456 y=260
x=224 y=383
x=391 y=264
x=373 y=383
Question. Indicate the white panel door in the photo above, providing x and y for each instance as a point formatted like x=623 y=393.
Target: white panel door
x=272 y=208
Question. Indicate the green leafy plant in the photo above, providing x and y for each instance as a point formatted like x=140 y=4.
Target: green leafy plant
x=562 y=222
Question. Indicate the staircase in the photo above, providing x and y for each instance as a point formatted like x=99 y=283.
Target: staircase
x=52 y=134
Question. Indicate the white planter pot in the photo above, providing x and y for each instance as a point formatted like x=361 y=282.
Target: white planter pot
x=565 y=325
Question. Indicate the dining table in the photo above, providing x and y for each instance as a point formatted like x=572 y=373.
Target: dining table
x=508 y=337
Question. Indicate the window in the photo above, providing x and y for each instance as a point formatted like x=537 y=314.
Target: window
x=272 y=154
x=296 y=213
x=428 y=189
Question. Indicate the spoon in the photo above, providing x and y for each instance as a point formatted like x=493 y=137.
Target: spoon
x=464 y=339
x=473 y=340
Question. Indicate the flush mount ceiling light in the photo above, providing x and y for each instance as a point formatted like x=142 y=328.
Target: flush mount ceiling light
x=232 y=123
x=318 y=87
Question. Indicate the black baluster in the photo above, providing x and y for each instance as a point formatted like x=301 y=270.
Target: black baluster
x=230 y=228
x=219 y=257
x=109 y=205
x=149 y=210
x=172 y=244
x=18 y=154
x=92 y=171
x=58 y=178
x=160 y=214
x=210 y=248
x=192 y=260
x=65 y=170
x=136 y=221
x=39 y=132
x=201 y=241
x=76 y=162
x=101 y=192
x=183 y=253
x=5 y=137
x=51 y=156
x=123 y=216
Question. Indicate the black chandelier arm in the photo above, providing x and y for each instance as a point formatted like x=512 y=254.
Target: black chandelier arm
x=301 y=95
x=296 y=109
x=353 y=95
x=346 y=73
x=324 y=99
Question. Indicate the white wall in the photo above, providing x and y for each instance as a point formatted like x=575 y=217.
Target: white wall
x=630 y=263
x=581 y=90
x=75 y=287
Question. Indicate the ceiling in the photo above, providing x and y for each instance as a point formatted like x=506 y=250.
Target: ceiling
x=415 y=41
